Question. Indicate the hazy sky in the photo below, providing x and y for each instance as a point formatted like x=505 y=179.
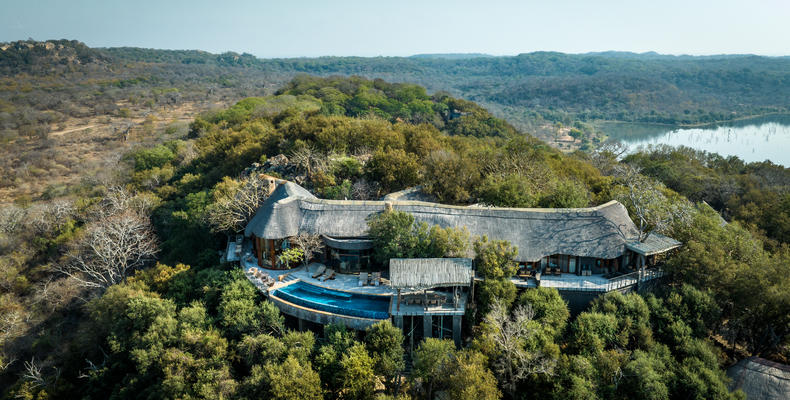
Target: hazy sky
x=405 y=27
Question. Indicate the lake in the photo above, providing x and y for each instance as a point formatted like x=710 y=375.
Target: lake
x=754 y=139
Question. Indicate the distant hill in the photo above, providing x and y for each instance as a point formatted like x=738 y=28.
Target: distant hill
x=531 y=90
x=452 y=56
x=44 y=57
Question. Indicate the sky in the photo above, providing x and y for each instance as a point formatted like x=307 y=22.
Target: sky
x=305 y=28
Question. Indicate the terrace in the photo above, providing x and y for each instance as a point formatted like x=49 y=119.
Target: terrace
x=591 y=283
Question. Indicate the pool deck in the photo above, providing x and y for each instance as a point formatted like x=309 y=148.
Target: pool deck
x=342 y=282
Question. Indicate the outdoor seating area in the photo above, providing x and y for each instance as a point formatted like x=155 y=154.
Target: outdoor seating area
x=261 y=277
x=425 y=299
x=369 y=279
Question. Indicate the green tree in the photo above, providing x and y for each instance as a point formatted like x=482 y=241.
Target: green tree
x=494 y=258
x=468 y=378
x=384 y=342
x=292 y=380
x=358 y=376
x=567 y=194
x=513 y=190
x=431 y=362
x=394 y=235
x=337 y=342
x=549 y=308
x=394 y=169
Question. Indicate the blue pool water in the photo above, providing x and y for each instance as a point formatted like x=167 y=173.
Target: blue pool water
x=352 y=304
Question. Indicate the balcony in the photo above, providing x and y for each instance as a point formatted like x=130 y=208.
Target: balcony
x=590 y=283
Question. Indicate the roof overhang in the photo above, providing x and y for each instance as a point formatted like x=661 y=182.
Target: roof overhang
x=655 y=243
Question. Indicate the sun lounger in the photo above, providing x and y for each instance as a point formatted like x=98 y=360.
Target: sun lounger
x=363 y=278
x=376 y=278
x=329 y=274
x=320 y=271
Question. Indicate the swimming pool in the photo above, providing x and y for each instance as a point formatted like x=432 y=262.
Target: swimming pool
x=334 y=301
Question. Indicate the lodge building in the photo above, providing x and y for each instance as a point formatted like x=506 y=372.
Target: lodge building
x=578 y=250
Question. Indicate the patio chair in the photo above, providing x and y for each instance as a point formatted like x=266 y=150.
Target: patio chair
x=363 y=278
x=320 y=271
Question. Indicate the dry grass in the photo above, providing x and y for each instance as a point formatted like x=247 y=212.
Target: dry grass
x=86 y=149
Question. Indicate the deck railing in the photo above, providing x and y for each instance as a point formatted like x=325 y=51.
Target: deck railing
x=627 y=280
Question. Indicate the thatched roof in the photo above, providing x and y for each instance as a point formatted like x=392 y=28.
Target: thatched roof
x=600 y=232
x=654 y=244
x=424 y=273
x=760 y=378
x=348 y=244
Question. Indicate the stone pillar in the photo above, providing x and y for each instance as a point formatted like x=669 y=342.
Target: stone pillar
x=398 y=321
x=457 y=330
x=301 y=325
x=427 y=326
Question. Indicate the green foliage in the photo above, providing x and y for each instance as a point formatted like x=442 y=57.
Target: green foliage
x=494 y=258
x=567 y=194
x=432 y=360
x=510 y=191
x=394 y=169
x=491 y=289
x=383 y=342
x=468 y=378
x=451 y=177
x=292 y=380
x=291 y=256
x=157 y=157
x=357 y=373
x=240 y=314
x=396 y=234
x=549 y=308
x=633 y=317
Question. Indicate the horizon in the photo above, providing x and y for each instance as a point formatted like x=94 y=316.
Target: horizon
x=354 y=28
x=436 y=54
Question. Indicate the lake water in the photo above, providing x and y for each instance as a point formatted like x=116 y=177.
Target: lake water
x=755 y=139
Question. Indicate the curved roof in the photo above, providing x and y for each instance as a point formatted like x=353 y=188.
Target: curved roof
x=348 y=244
x=600 y=232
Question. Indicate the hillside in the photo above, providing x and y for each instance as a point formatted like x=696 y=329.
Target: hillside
x=169 y=320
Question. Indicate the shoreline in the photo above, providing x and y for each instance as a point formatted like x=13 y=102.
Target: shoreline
x=696 y=125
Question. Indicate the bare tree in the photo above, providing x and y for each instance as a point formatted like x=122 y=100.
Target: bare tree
x=45 y=217
x=33 y=373
x=310 y=244
x=118 y=200
x=309 y=160
x=111 y=249
x=232 y=211
x=363 y=190
x=654 y=212
x=514 y=362
x=605 y=156
x=12 y=218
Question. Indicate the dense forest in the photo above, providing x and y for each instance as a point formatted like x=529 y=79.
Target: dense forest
x=164 y=318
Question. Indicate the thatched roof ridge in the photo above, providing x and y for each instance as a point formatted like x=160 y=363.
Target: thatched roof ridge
x=425 y=273
x=601 y=232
